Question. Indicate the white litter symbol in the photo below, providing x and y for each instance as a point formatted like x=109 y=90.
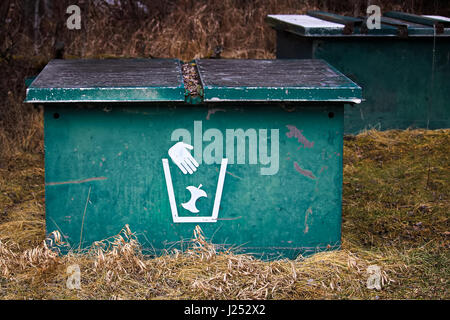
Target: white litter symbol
x=180 y=155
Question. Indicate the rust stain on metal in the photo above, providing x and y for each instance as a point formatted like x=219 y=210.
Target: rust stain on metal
x=298 y=134
x=231 y=174
x=288 y=109
x=75 y=181
x=323 y=168
x=213 y=111
x=236 y=218
x=304 y=172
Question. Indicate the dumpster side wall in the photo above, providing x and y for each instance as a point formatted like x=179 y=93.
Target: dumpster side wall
x=104 y=170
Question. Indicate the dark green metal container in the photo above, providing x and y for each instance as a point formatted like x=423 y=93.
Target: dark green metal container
x=265 y=142
x=404 y=67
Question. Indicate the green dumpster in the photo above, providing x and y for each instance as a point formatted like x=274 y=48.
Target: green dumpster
x=255 y=160
x=403 y=66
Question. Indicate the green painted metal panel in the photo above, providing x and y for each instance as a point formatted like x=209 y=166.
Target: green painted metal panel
x=104 y=168
x=275 y=80
x=108 y=80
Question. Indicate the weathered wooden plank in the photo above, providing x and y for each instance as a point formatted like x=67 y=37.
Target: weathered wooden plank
x=108 y=80
x=264 y=80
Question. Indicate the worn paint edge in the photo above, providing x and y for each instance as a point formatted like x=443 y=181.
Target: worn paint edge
x=119 y=94
x=218 y=94
x=75 y=181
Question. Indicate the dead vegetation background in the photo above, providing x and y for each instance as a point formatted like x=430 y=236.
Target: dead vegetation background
x=34 y=31
x=396 y=183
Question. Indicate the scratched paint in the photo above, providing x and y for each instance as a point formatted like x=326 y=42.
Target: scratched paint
x=307 y=214
x=298 y=134
x=304 y=172
x=75 y=181
x=213 y=111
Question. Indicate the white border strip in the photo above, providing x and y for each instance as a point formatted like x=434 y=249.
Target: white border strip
x=169 y=184
x=223 y=170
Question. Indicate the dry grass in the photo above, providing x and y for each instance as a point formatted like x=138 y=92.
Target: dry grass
x=403 y=177
x=395 y=215
x=122 y=272
x=396 y=183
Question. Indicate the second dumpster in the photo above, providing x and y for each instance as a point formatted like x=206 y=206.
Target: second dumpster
x=403 y=66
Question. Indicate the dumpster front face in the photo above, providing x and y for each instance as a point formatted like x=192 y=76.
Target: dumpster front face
x=405 y=78
x=257 y=167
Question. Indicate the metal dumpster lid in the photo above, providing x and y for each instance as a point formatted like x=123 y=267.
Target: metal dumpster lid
x=275 y=80
x=311 y=25
x=109 y=80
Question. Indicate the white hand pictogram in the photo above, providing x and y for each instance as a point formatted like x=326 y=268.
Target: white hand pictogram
x=181 y=156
